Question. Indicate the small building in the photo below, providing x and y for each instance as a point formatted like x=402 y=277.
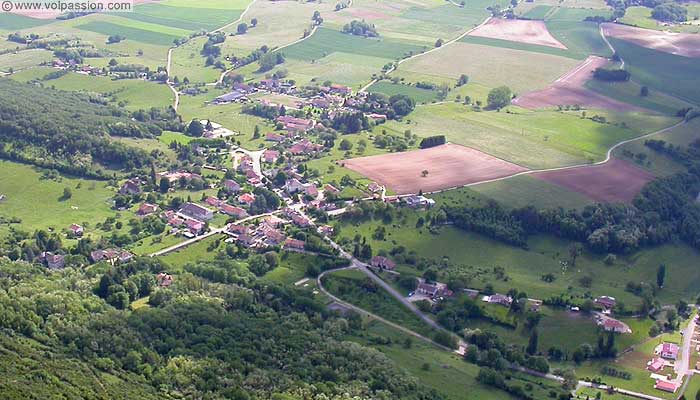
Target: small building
x=196 y=211
x=374 y=187
x=233 y=211
x=76 y=230
x=212 y=201
x=665 y=386
x=613 y=325
x=383 y=263
x=273 y=137
x=54 y=261
x=669 y=351
x=246 y=198
x=607 y=302
x=147 y=209
x=130 y=187
x=656 y=365
x=295 y=244
x=231 y=186
x=164 y=280
x=330 y=189
x=231 y=97
x=270 y=156
x=499 y=299
x=112 y=256
x=419 y=202
x=194 y=226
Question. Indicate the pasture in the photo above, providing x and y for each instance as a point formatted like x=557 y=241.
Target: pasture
x=24 y=59
x=533 y=139
x=188 y=62
x=433 y=169
x=14 y=22
x=629 y=93
x=522 y=191
x=640 y=16
x=420 y=95
x=135 y=31
x=190 y=18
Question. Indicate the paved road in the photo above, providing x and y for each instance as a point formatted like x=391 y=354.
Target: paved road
x=682 y=366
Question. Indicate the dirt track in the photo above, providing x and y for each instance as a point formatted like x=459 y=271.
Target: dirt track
x=517 y=30
x=448 y=166
x=614 y=181
x=680 y=44
x=569 y=89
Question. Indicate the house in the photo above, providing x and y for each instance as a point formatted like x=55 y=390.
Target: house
x=76 y=230
x=235 y=230
x=326 y=229
x=668 y=351
x=296 y=244
x=164 y=280
x=613 y=325
x=273 y=137
x=112 y=256
x=295 y=124
x=300 y=220
x=500 y=299
x=341 y=89
x=330 y=189
x=176 y=176
x=231 y=97
x=374 y=187
x=231 y=186
x=378 y=117
x=147 y=209
x=305 y=147
x=383 y=263
x=293 y=185
x=666 y=386
x=246 y=198
x=418 y=202
x=656 y=365
x=212 y=201
x=433 y=290
x=54 y=261
x=196 y=211
x=194 y=226
x=272 y=237
x=607 y=302
x=243 y=87
x=130 y=187
x=233 y=210
x=270 y=156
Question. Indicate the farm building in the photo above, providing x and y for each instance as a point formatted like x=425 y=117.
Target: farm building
x=196 y=211
x=383 y=263
x=668 y=351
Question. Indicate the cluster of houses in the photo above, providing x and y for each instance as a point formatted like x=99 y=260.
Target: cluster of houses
x=665 y=354
x=114 y=256
x=72 y=65
x=264 y=234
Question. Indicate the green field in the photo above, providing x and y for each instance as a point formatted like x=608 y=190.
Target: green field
x=676 y=75
x=133 y=33
x=14 y=22
x=188 y=62
x=641 y=17
x=535 y=139
x=24 y=59
x=628 y=92
x=189 y=18
x=418 y=94
x=538 y=12
x=522 y=191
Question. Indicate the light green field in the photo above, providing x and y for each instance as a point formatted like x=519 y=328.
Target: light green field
x=189 y=18
x=137 y=31
x=168 y=137
x=37 y=201
x=199 y=251
x=418 y=94
x=24 y=59
x=134 y=94
x=13 y=22
x=188 y=62
x=524 y=190
x=343 y=68
x=486 y=65
x=628 y=92
x=474 y=257
x=641 y=17
x=535 y=139
x=31 y=74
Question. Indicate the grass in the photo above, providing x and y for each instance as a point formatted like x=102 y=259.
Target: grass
x=168 y=137
x=24 y=59
x=349 y=285
x=188 y=62
x=327 y=41
x=628 y=92
x=133 y=33
x=581 y=38
x=418 y=94
x=474 y=257
x=641 y=16
x=676 y=75
x=538 y=12
x=189 y=18
x=292 y=268
x=535 y=139
x=203 y=250
x=522 y=191
x=693 y=387
x=133 y=94
x=14 y=22
x=37 y=202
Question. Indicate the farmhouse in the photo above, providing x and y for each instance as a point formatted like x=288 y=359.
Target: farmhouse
x=76 y=230
x=499 y=299
x=196 y=211
x=246 y=198
x=231 y=186
x=383 y=263
x=666 y=386
x=54 y=261
x=112 y=256
x=295 y=124
x=130 y=187
x=433 y=290
x=656 y=365
x=296 y=244
x=147 y=209
x=668 y=351
x=231 y=97
x=164 y=280
x=419 y=202
x=607 y=302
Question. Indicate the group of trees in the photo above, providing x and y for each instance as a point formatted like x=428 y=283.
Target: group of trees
x=360 y=28
x=611 y=75
x=670 y=12
x=432 y=141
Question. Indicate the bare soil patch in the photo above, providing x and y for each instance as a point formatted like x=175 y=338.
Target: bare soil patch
x=569 y=89
x=517 y=30
x=680 y=44
x=614 y=181
x=448 y=166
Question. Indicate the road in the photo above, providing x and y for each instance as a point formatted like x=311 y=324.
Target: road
x=682 y=366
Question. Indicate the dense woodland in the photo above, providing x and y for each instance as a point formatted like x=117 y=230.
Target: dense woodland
x=71 y=132
x=197 y=339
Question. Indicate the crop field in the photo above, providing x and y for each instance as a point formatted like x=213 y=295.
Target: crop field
x=674 y=75
x=486 y=65
x=420 y=95
x=138 y=34
x=189 y=18
x=448 y=166
x=570 y=89
x=682 y=44
x=516 y=30
x=629 y=92
x=538 y=12
x=474 y=257
x=133 y=94
x=24 y=59
x=533 y=139
x=640 y=16
x=614 y=181
x=13 y=22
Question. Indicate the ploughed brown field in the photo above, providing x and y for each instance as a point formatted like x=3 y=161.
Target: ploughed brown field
x=518 y=30
x=680 y=44
x=569 y=89
x=614 y=181
x=448 y=166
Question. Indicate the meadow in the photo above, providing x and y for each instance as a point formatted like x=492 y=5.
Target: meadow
x=188 y=18
x=534 y=139
x=629 y=92
x=136 y=31
x=24 y=59
x=641 y=16
x=521 y=191
x=188 y=62
x=420 y=95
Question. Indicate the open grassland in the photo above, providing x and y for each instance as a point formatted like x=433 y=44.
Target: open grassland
x=38 y=202
x=24 y=59
x=418 y=94
x=136 y=30
x=343 y=68
x=524 y=7
x=654 y=162
x=522 y=191
x=446 y=372
x=202 y=251
x=475 y=257
x=534 y=139
x=641 y=16
x=292 y=268
x=188 y=62
x=193 y=18
x=486 y=65
x=132 y=94
x=13 y=22
x=675 y=75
